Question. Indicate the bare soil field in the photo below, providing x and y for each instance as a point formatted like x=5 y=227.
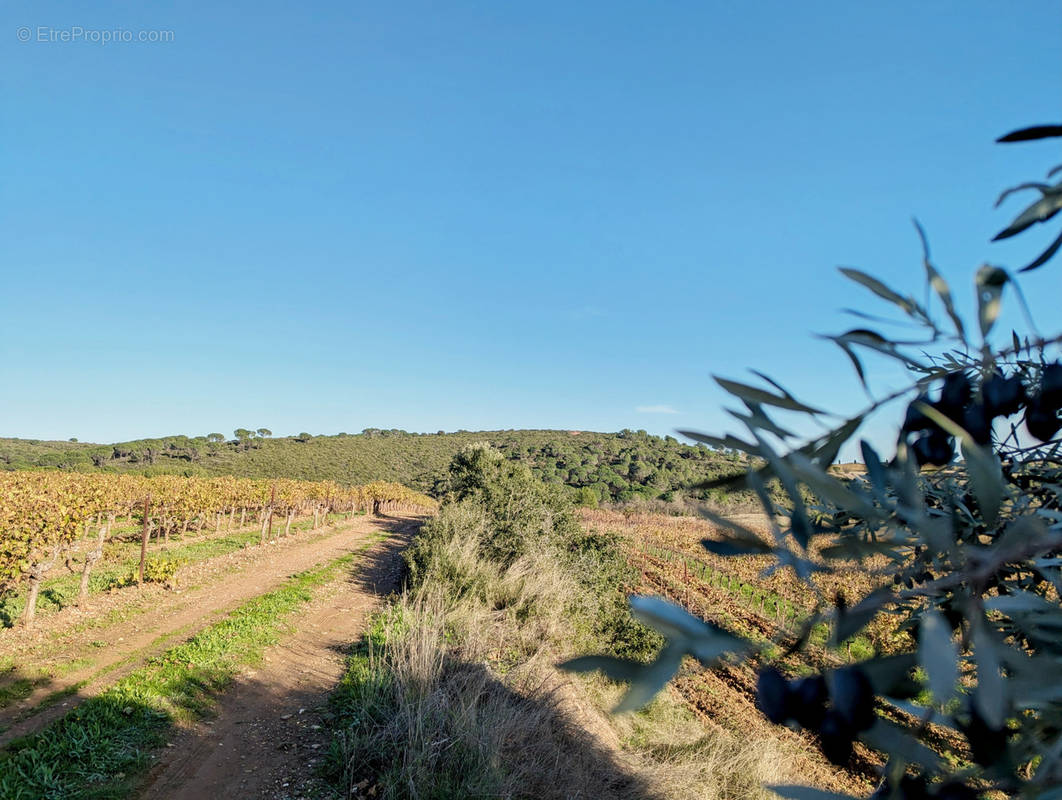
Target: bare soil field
x=724 y=696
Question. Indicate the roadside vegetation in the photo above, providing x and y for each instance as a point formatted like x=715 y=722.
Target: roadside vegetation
x=454 y=691
x=100 y=749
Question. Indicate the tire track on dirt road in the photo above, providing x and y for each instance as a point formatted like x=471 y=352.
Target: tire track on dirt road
x=270 y=728
x=227 y=582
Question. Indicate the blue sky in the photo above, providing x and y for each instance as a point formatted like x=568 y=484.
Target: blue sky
x=487 y=215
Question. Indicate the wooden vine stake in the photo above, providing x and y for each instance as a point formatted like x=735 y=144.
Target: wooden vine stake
x=272 y=502
x=145 y=531
x=686 y=583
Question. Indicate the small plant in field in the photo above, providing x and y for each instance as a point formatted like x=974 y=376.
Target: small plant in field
x=162 y=570
x=157 y=569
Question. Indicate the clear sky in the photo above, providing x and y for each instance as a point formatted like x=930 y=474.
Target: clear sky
x=334 y=216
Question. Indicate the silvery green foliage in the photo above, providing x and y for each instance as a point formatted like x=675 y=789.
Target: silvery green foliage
x=966 y=517
x=685 y=635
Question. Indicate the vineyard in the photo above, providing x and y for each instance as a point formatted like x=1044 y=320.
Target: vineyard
x=768 y=608
x=677 y=538
x=52 y=519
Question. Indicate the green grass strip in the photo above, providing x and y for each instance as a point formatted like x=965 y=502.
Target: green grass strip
x=100 y=748
x=122 y=559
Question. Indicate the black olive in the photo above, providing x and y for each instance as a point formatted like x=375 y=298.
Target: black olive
x=772 y=695
x=1002 y=396
x=953 y=615
x=835 y=738
x=978 y=423
x=808 y=699
x=915 y=420
x=935 y=448
x=954 y=394
x=1041 y=420
x=853 y=697
x=1051 y=385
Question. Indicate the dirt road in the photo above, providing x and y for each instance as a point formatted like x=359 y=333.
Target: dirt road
x=269 y=730
x=220 y=584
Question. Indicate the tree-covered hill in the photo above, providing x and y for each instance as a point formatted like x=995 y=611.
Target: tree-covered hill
x=604 y=466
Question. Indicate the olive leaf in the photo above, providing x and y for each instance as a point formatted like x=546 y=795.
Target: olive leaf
x=1031 y=133
x=940 y=286
x=875 y=470
x=653 y=678
x=706 y=642
x=986 y=479
x=909 y=306
x=806 y=793
x=1049 y=204
x=756 y=395
x=856 y=363
x=851 y=621
x=989 y=697
x=742 y=541
x=685 y=634
x=939 y=656
x=830 y=488
x=1021 y=187
x=617 y=669
x=1045 y=256
x=735 y=546
x=799 y=523
x=727 y=442
x=897 y=741
x=757 y=419
x=990 y=282
x=891 y=675
x=645 y=679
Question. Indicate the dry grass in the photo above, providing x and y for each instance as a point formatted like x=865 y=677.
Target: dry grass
x=686 y=533
x=458 y=702
x=456 y=695
x=682 y=758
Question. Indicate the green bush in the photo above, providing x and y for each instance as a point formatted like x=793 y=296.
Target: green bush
x=598 y=561
x=501 y=579
x=585 y=497
x=504 y=513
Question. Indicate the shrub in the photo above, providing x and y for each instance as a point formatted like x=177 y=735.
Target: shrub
x=586 y=497
x=158 y=569
x=464 y=656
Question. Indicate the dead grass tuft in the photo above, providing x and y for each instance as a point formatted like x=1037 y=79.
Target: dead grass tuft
x=455 y=695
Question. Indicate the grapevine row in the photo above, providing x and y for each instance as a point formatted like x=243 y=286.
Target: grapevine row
x=42 y=514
